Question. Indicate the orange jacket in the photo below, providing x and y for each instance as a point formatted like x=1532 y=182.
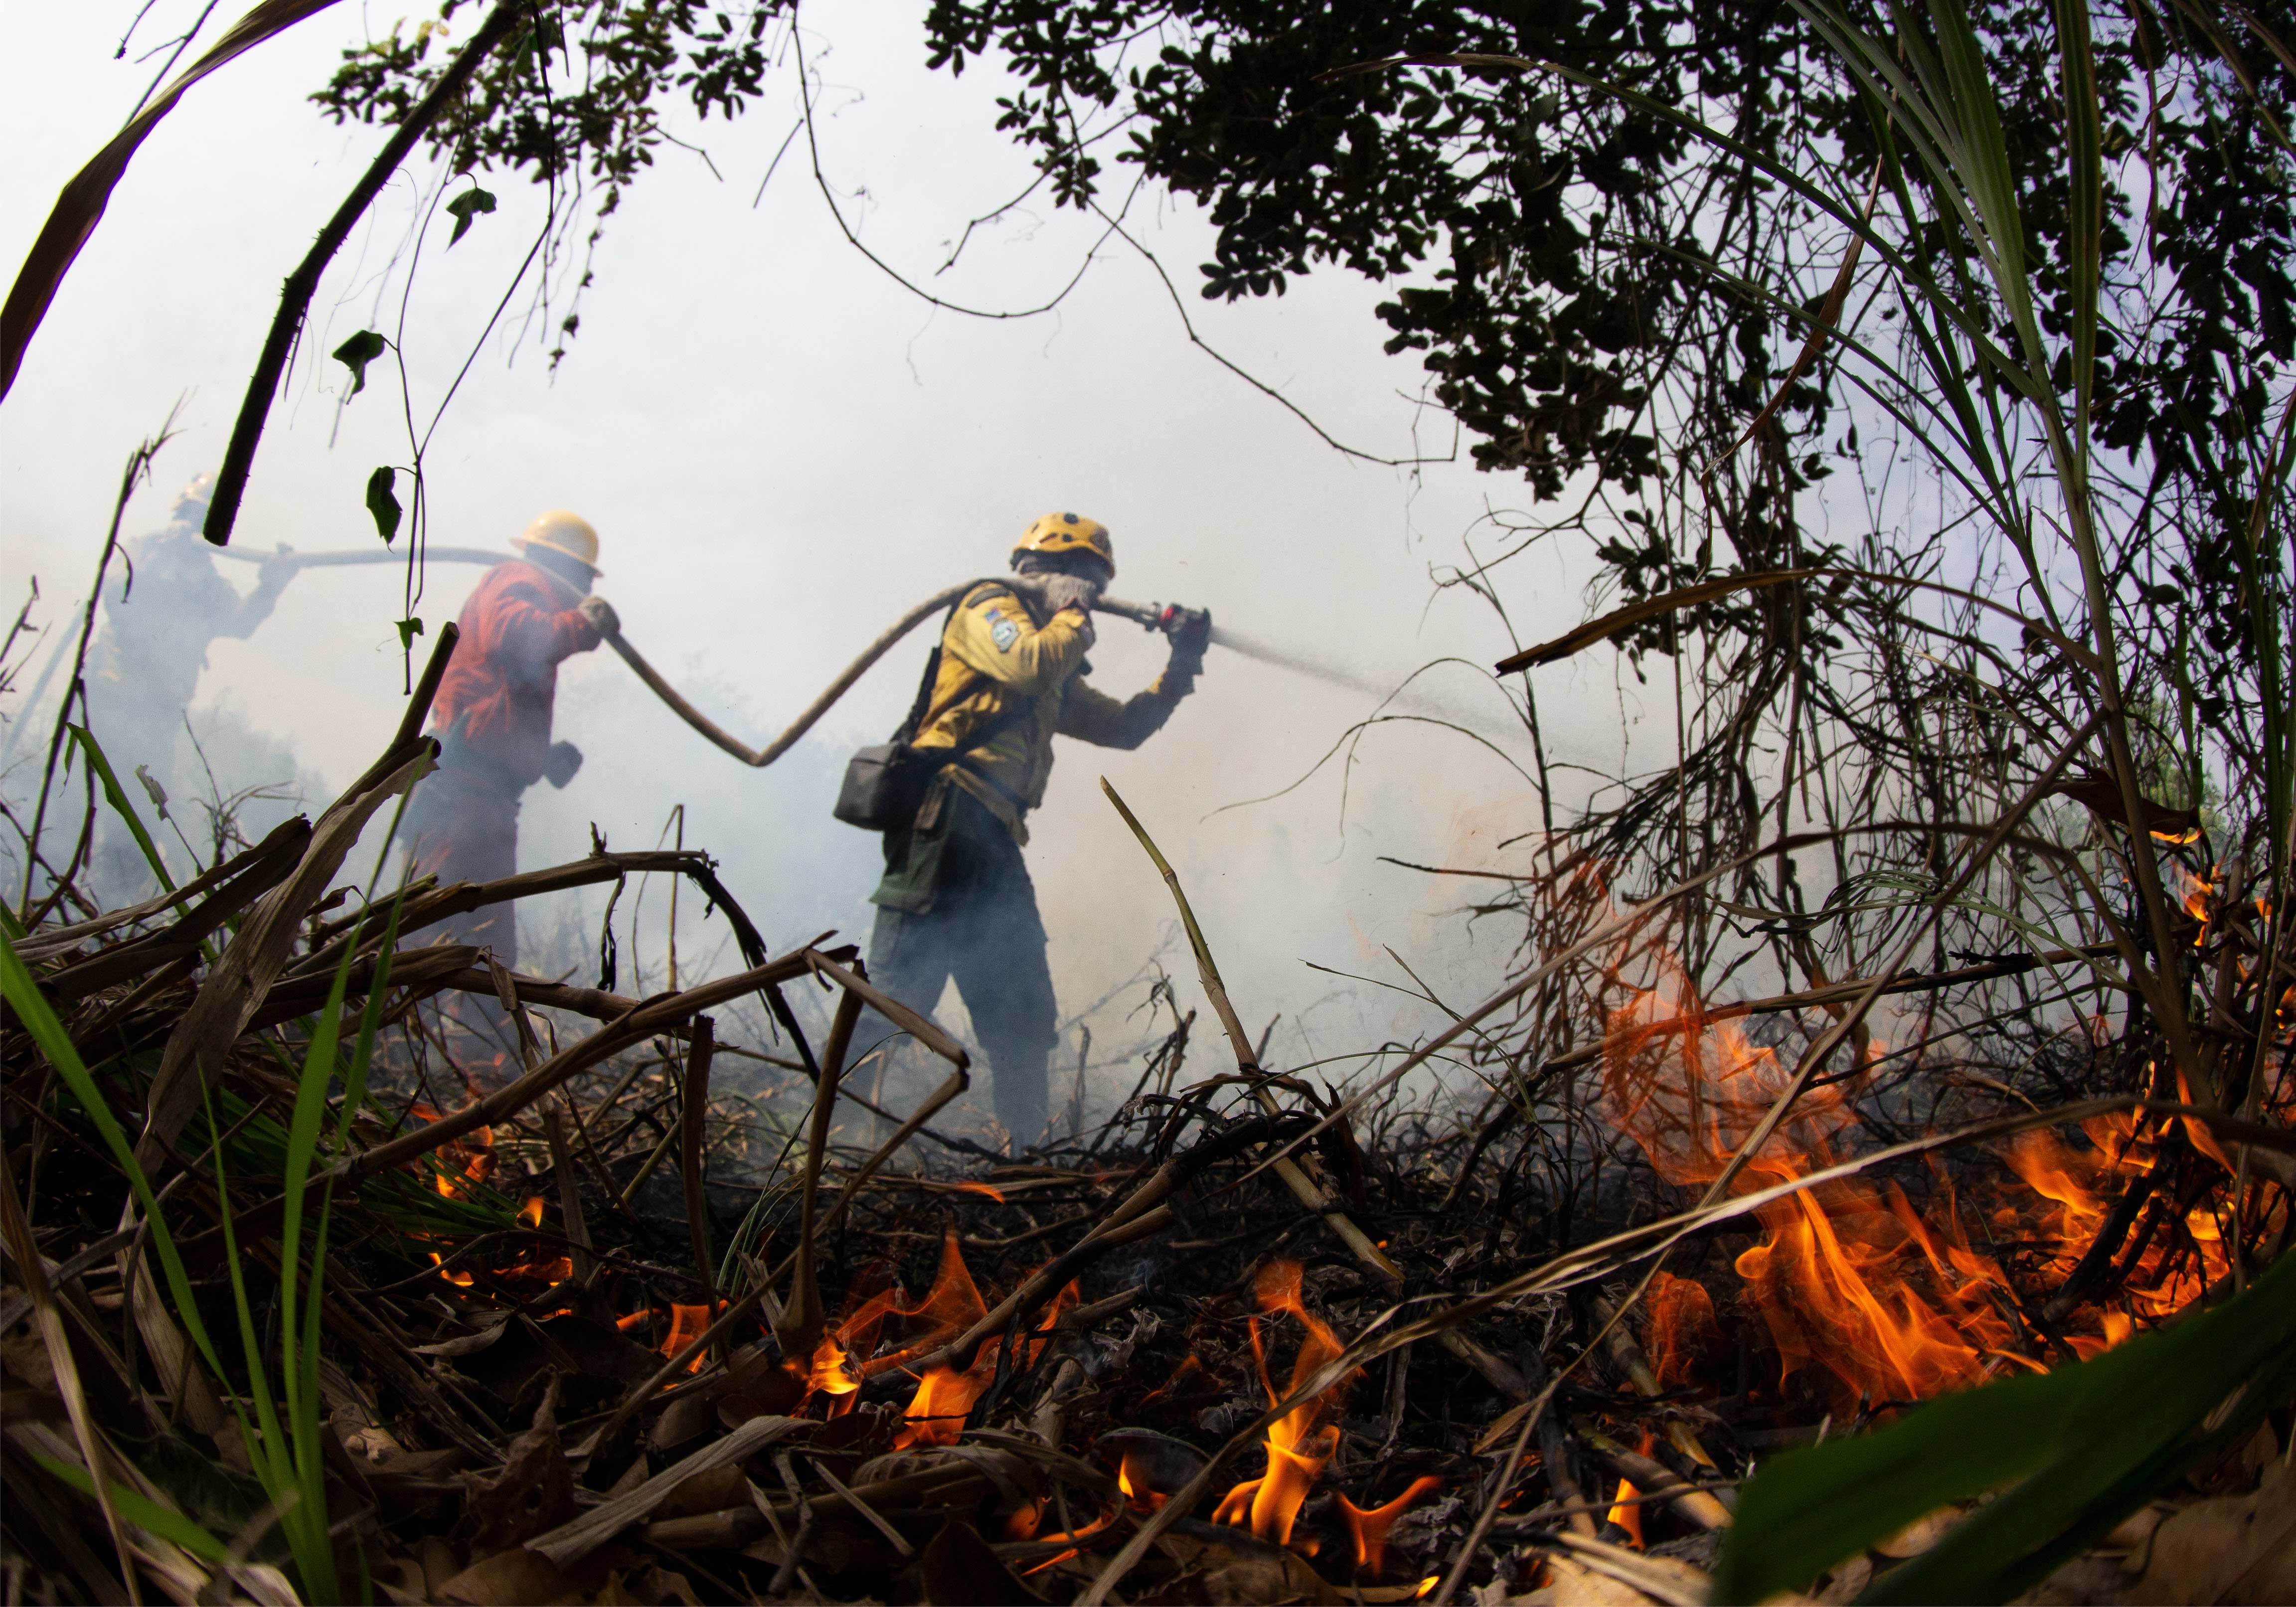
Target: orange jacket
x=503 y=679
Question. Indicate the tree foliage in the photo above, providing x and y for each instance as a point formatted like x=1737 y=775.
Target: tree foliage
x=1592 y=250
x=1560 y=254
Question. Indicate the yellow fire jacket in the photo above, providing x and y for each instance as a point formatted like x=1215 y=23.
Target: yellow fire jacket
x=995 y=650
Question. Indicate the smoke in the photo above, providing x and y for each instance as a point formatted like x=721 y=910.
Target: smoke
x=1407 y=698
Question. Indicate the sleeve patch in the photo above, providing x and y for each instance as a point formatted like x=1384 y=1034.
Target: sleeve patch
x=1004 y=632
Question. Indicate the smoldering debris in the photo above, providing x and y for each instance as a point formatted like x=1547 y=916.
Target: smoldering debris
x=519 y=1288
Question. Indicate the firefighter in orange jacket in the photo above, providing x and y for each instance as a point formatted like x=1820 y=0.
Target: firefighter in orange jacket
x=493 y=711
x=956 y=903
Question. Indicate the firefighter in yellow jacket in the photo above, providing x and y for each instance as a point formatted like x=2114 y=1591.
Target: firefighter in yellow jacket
x=956 y=903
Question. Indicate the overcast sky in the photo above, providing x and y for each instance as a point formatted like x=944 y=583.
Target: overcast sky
x=782 y=449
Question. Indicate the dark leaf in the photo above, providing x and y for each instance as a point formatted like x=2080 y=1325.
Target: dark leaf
x=381 y=503
x=355 y=353
x=408 y=630
x=466 y=206
x=2101 y=794
x=1636 y=613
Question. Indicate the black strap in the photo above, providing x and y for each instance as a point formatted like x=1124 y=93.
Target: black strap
x=1018 y=710
x=922 y=706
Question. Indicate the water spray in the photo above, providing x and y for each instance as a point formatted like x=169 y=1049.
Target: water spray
x=1153 y=616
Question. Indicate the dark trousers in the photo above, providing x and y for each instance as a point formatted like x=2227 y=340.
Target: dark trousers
x=980 y=930
x=461 y=825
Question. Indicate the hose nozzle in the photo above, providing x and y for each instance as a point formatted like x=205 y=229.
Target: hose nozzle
x=1172 y=618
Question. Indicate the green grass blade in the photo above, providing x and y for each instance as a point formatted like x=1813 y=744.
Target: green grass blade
x=288 y=1476
x=142 y=1512
x=369 y=1022
x=117 y=797
x=31 y=1006
x=2084 y=243
x=299 y=1338
x=268 y=1451
x=2085 y=1445
x=303 y=1133
x=314 y=1546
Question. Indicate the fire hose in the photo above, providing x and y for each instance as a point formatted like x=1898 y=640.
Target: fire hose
x=1153 y=616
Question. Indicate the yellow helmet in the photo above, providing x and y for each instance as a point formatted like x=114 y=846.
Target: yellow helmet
x=568 y=535
x=1068 y=533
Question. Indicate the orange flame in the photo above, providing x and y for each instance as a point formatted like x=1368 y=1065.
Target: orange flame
x=1626 y=1512
x=474 y=1149
x=944 y=1397
x=989 y=1189
x=1368 y=1529
x=2176 y=1265
x=2197 y=891
x=686 y=1325
x=1883 y=1301
x=1296 y=1448
x=832 y=1371
x=1681 y=1325
x=1189 y=1367
x=1132 y=1482
x=937 y=1411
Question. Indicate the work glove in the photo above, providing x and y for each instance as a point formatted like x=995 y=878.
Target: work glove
x=601 y=614
x=1191 y=630
x=1069 y=591
x=559 y=766
x=276 y=571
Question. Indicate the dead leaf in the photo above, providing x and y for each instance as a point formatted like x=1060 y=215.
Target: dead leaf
x=464 y=1344
x=837 y=1545
x=712 y=1489
x=633 y=1476
x=1842 y=1582
x=20 y=1406
x=515 y=1578
x=683 y=1422
x=418 y=1464
x=2101 y=794
x=401 y=1580
x=26 y=1358
x=439 y=1564
x=2234 y=1549
x=1249 y=1570
x=1270 y=1579
x=956 y=1568
x=533 y=1493
x=595 y=1365
x=1572 y=1584
x=758 y=1386
x=615 y=1594
x=666 y=1585
x=2133 y=1536
x=1920 y=1534
x=1156 y=1462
